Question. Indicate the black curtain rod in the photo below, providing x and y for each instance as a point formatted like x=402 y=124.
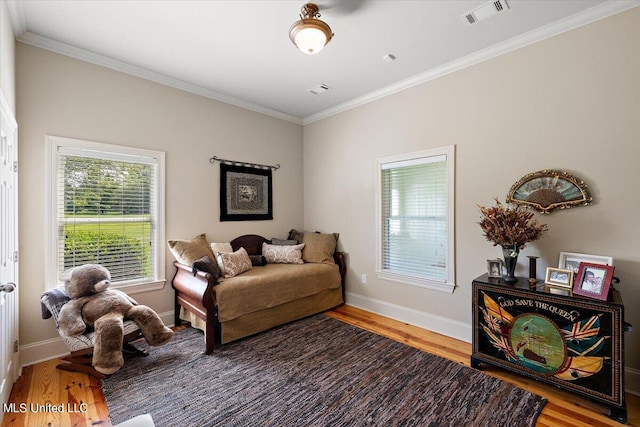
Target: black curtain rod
x=234 y=162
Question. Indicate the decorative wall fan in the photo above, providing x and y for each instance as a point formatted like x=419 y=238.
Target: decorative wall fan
x=549 y=189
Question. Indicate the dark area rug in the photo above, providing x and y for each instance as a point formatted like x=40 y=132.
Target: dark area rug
x=314 y=372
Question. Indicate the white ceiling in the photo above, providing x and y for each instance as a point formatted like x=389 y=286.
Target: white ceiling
x=239 y=51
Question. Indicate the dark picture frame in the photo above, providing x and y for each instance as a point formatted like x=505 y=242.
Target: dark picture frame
x=494 y=268
x=246 y=193
x=593 y=280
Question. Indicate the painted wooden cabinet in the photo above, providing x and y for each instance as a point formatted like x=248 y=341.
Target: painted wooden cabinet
x=572 y=342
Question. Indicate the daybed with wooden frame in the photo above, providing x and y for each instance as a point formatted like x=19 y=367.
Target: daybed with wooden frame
x=228 y=309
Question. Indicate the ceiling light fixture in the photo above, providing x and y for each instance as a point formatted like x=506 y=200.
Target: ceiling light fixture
x=310 y=34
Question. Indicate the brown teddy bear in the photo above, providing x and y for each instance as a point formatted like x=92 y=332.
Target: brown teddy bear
x=93 y=304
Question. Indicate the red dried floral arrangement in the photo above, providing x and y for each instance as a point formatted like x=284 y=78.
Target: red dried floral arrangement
x=509 y=226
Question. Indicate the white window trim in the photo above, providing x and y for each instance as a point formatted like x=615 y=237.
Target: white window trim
x=56 y=143
x=449 y=285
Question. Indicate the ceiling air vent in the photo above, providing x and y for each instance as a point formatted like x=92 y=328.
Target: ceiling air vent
x=485 y=11
x=319 y=89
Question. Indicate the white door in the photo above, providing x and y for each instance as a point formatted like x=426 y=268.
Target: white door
x=8 y=251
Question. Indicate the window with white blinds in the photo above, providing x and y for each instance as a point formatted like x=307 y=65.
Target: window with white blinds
x=108 y=209
x=416 y=218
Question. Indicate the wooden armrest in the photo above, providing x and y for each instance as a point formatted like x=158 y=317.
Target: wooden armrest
x=195 y=293
x=198 y=288
x=190 y=270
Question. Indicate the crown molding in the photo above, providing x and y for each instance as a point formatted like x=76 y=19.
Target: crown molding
x=586 y=17
x=124 y=67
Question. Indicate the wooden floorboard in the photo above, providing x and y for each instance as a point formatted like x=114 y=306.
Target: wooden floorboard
x=84 y=405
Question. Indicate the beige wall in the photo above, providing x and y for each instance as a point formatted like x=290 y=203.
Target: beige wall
x=61 y=96
x=571 y=102
x=7 y=57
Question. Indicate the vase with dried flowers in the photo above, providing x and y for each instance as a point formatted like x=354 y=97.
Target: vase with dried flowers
x=511 y=228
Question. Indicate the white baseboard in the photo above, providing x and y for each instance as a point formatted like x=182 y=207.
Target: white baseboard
x=50 y=349
x=448 y=327
x=441 y=325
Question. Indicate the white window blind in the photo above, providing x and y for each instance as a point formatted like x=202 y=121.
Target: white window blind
x=415 y=228
x=107 y=211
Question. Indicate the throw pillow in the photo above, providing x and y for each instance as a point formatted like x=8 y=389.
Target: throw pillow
x=258 y=260
x=236 y=262
x=276 y=254
x=221 y=247
x=207 y=265
x=319 y=248
x=296 y=235
x=281 y=242
x=299 y=235
x=188 y=251
x=218 y=248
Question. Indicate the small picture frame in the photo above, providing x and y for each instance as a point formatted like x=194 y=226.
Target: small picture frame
x=571 y=261
x=494 y=268
x=559 y=277
x=593 y=280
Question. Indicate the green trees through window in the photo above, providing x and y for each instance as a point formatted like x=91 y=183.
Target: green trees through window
x=105 y=215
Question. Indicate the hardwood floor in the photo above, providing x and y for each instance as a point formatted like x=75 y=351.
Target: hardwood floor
x=78 y=400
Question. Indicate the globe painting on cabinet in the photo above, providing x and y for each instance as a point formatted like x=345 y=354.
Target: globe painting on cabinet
x=538 y=344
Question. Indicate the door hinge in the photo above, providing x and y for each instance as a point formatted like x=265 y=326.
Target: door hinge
x=15 y=256
x=15 y=346
x=15 y=166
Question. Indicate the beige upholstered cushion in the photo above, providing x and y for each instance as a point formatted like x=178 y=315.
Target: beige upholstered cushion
x=319 y=248
x=283 y=254
x=236 y=262
x=188 y=251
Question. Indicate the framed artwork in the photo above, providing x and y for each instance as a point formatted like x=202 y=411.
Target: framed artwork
x=494 y=267
x=245 y=193
x=593 y=280
x=571 y=261
x=548 y=189
x=559 y=277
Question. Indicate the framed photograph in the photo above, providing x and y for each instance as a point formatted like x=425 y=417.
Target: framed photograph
x=548 y=189
x=559 y=277
x=494 y=267
x=245 y=193
x=571 y=261
x=593 y=280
